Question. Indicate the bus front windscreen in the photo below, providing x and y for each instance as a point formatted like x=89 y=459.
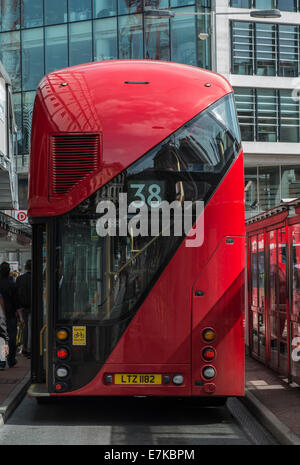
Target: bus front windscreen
x=105 y=277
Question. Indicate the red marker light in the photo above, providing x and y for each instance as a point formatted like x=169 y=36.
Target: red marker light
x=58 y=387
x=209 y=353
x=62 y=353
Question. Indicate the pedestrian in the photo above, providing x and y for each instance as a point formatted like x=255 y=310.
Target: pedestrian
x=3 y=336
x=9 y=294
x=23 y=284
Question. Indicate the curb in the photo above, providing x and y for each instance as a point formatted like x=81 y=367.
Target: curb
x=278 y=429
x=14 y=398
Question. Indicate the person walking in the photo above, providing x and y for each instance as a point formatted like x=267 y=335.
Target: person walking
x=9 y=294
x=23 y=284
x=3 y=336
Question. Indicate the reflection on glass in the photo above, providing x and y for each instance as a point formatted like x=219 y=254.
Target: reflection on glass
x=79 y=10
x=10 y=56
x=56 y=51
x=105 y=39
x=80 y=43
x=242 y=47
x=295 y=362
x=251 y=200
x=269 y=187
x=56 y=11
x=32 y=13
x=174 y=3
x=10 y=15
x=27 y=100
x=272 y=268
x=32 y=58
x=18 y=117
x=103 y=8
x=131 y=36
x=130 y=6
x=183 y=39
x=106 y=278
x=290 y=182
x=157 y=39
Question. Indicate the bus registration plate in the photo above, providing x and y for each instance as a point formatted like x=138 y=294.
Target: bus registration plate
x=138 y=378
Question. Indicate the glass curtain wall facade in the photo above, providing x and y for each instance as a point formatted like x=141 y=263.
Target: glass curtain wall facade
x=40 y=36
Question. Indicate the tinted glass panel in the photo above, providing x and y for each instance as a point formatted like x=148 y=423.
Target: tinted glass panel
x=133 y=6
x=56 y=48
x=241 y=3
x=80 y=43
x=267 y=115
x=157 y=39
x=106 y=278
x=56 y=11
x=105 y=39
x=183 y=38
x=10 y=15
x=79 y=10
x=27 y=101
x=103 y=8
x=254 y=275
x=10 y=56
x=131 y=36
x=287 y=5
x=290 y=182
x=32 y=58
x=251 y=200
x=245 y=105
x=32 y=13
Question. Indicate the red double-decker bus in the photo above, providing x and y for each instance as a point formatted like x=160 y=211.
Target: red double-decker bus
x=136 y=314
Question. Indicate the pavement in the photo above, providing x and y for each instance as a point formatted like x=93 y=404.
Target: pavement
x=274 y=402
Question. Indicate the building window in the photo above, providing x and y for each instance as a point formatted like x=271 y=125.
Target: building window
x=56 y=49
x=55 y=11
x=288 y=40
x=32 y=13
x=183 y=38
x=242 y=47
x=80 y=43
x=268 y=115
x=265 y=49
x=266 y=186
x=157 y=39
x=10 y=56
x=32 y=58
x=9 y=15
x=131 y=36
x=79 y=10
x=105 y=39
x=284 y=5
x=290 y=182
x=104 y=8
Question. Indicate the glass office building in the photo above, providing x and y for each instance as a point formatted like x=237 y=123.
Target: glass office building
x=40 y=36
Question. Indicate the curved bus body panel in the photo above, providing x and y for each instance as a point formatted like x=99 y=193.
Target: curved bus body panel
x=131 y=126
x=132 y=117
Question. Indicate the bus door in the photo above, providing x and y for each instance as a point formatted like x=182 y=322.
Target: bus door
x=277 y=297
x=40 y=272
